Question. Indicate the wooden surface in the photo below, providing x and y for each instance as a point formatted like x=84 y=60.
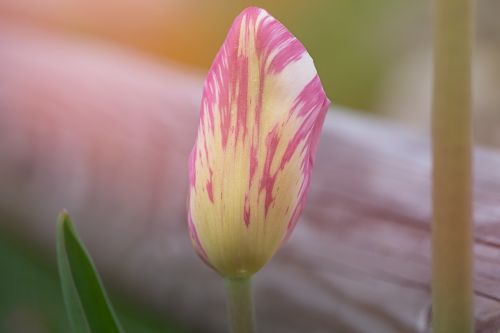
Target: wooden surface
x=105 y=133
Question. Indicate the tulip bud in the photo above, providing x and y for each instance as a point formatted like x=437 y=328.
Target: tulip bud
x=262 y=111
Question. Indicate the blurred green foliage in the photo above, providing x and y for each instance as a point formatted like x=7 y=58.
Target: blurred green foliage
x=353 y=43
x=31 y=299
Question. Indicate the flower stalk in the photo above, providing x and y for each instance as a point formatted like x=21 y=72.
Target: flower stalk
x=240 y=305
x=452 y=232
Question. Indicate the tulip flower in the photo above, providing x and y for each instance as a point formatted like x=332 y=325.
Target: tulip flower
x=262 y=111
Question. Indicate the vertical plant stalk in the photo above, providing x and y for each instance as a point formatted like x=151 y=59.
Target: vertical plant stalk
x=452 y=231
x=240 y=305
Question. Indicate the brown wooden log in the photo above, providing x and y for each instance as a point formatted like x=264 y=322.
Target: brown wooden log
x=105 y=133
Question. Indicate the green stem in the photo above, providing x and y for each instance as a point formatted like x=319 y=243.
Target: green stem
x=240 y=305
x=452 y=232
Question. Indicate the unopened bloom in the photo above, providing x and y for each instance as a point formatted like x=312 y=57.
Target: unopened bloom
x=262 y=111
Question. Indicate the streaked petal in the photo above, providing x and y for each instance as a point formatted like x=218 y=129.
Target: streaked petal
x=262 y=111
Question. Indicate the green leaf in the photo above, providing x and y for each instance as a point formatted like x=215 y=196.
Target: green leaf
x=87 y=304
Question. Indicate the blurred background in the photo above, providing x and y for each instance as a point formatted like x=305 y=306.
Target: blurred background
x=372 y=56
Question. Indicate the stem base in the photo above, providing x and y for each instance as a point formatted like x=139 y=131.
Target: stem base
x=240 y=305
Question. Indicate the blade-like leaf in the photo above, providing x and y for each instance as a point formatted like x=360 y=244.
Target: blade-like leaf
x=87 y=304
